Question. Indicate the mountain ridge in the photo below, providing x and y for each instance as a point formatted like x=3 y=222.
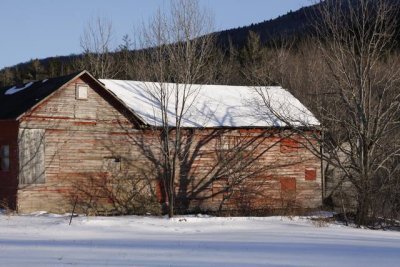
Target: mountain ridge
x=292 y=22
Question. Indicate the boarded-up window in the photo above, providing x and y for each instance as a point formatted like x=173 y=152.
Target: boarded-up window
x=310 y=174
x=288 y=184
x=4 y=158
x=288 y=191
x=31 y=154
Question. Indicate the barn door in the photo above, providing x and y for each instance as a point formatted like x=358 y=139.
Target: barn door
x=31 y=156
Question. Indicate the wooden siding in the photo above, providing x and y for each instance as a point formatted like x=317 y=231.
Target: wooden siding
x=78 y=135
x=267 y=179
x=83 y=138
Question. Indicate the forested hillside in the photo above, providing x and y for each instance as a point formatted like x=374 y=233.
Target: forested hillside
x=294 y=25
x=236 y=47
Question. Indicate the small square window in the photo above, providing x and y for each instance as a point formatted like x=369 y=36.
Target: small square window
x=81 y=92
x=4 y=158
x=310 y=174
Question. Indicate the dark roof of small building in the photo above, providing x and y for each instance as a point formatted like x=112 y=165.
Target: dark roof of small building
x=16 y=100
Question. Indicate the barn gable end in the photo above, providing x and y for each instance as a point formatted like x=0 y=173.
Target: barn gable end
x=71 y=138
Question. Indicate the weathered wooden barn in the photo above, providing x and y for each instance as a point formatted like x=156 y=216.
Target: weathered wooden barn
x=77 y=139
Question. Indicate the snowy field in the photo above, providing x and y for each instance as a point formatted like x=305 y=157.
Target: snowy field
x=48 y=240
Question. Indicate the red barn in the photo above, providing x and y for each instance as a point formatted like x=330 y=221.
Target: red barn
x=77 y=139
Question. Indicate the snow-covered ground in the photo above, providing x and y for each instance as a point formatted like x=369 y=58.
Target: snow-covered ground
x=48 y=240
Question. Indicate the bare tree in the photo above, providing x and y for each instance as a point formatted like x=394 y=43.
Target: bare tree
x=96 y=43
x=124 y=57
x=359 y=102
x=179 y=50
x=357 y=39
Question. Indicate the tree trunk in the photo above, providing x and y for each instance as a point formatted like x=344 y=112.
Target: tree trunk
x=170 y=204
x=363 y=209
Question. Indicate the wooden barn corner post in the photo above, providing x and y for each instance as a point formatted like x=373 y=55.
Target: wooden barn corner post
x=180 y=55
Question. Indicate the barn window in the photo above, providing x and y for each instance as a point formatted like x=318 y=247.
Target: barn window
x=31 y=154
x=310 y=174
x=81 y=92
x=4 y=158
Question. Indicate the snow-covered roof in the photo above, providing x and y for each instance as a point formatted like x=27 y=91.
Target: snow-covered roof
x=213 y=105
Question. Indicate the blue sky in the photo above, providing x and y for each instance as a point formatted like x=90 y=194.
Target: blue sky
x=41 y=28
